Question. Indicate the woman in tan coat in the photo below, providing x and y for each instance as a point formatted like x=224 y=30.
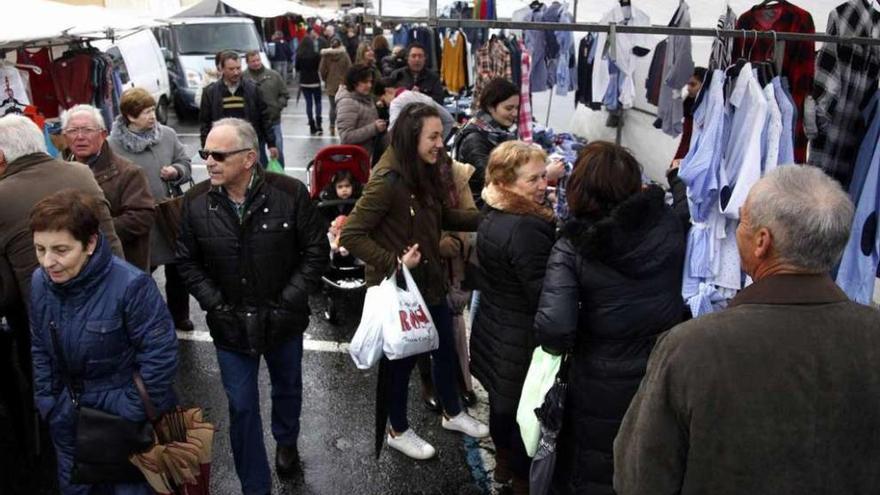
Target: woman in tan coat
x=334 y=65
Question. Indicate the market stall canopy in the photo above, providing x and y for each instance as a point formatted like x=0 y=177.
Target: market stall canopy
x=256 y=8
x=45 y=21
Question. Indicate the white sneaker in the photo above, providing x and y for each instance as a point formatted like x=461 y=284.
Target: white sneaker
x=467 y=425
x=411 y=445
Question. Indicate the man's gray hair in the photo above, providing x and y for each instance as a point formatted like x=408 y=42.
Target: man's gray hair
x=247 y=136
x=808 y=214
x=19 y=136
x=83 y=108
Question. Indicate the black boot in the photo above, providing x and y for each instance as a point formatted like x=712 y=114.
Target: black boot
x=312 y=129
x=287 y=461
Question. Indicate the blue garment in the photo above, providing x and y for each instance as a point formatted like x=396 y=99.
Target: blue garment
x=313 y=106
x=110 y=321
x=239 y=373
x=861 y=257
x=444 y=366
x=536 y=45
x=699 y=171
x=566 y=78
x=786 y=140
x=612 y=93
x=401 y=36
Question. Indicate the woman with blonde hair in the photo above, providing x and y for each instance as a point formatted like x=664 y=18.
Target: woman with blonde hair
x=366 y=55
x=514 y=241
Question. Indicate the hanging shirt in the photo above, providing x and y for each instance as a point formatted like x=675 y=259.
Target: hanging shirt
x=536 y=44
x=772 y=131
x=846 y=77
x=524 y=127
x=678 y=67
x=723 y=46
x=622 y=55
x=747 y=115
x=566 y=77
x=861 y=257
x=786 y=109
x=655 y=73
x=42 y=87
x=452 y=68
x=799 y=58
x=72 y=75
x=493 y=60
x=12 y=85
x=584 y=92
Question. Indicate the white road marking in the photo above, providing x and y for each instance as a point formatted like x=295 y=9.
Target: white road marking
x=308 y=344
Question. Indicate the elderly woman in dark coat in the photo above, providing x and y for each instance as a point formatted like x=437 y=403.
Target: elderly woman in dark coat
x=513 y=243
x=138 y=137
x=613 y=284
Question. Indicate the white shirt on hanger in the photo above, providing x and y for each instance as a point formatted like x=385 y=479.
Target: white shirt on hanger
x=774 y=130
x=11 y=76
x=623 y=54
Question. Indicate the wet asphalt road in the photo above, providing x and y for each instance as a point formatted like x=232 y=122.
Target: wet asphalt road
x=336 y=440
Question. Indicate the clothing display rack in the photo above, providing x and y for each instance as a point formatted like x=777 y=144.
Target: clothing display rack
x=433 y=21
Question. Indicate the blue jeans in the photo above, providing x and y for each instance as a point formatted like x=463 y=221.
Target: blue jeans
x=279 y=143
x=239 y=373
x=445 y=367
x=313 y=100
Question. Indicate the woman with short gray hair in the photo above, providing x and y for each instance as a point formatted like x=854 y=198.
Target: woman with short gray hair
x=140 y=138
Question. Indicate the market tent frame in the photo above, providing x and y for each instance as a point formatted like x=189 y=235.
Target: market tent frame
x=256 y=8
x=43 y=22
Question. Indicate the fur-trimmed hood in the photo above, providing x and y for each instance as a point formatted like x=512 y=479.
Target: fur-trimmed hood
x=637 y=237
x=509 y=202
x=333 y=52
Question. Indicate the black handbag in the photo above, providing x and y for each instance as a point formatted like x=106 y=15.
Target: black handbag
x=104 y=441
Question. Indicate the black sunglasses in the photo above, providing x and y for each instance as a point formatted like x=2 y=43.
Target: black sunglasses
x=219 y=156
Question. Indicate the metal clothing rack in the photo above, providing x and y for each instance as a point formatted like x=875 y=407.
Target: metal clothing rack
x=613 y=29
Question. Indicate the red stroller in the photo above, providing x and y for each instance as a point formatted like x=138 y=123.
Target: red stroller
x=343 y=274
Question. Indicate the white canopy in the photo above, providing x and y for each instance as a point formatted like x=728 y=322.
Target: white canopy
x=43 y=20
x=257 y=8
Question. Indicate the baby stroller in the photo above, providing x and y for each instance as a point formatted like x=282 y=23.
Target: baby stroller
x=344 y=274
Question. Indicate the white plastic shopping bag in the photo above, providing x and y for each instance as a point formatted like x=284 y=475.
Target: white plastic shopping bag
x=366 y=345
x=541 y=376
x=409 y=328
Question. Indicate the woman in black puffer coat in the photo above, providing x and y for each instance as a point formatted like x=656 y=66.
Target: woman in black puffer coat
x=613 y=284
x=513 y=242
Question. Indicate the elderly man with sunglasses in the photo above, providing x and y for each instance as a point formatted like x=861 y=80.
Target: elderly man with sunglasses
x=124 y=184
x=251 y=249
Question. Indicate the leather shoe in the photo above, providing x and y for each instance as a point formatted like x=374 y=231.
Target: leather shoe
x=469 y=398
x=185 y=325
x=287 y=461
x=431 y=404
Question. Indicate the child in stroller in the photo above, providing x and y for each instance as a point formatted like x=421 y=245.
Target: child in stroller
x=339 y=198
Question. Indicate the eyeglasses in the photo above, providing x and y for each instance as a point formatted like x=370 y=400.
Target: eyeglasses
x=220 y=156
x=85 y=131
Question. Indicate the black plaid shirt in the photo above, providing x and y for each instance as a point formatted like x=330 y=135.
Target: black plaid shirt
x=846 y=79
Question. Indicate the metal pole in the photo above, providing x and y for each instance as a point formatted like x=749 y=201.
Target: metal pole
x=549 y=106
x=380 y=9
x=666 y=30
x=575 y=11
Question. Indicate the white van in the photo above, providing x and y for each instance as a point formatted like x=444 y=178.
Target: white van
x=190 y=44
x=140 y=63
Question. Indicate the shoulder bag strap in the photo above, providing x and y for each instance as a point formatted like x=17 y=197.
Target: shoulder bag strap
x=62 y=364
x=148 y=404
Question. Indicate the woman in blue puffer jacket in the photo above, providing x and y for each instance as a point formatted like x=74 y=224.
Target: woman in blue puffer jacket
x=109 y=320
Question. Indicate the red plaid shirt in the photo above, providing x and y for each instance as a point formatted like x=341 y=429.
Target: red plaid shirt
x=799 y=60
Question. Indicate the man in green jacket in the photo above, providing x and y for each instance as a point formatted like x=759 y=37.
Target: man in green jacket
x=274 y=93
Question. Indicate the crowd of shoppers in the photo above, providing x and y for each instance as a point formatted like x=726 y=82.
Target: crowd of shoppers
x=775 y=394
